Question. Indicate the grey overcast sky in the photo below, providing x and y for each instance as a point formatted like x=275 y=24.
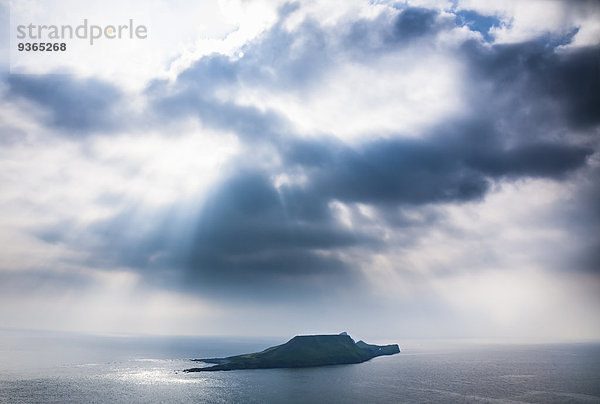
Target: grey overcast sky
x=411 y=169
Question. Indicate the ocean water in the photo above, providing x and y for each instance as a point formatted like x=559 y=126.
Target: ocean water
x=60 y=368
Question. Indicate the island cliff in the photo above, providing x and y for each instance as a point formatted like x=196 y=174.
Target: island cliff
x=302 y=351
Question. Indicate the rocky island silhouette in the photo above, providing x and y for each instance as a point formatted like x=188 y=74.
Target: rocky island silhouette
x=302 y=351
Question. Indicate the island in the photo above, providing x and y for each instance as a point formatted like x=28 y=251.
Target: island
x=302 y=351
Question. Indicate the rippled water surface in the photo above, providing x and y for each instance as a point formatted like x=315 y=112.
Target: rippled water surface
x=62 y=369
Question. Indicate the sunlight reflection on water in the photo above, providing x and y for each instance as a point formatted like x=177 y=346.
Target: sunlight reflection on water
x=160 y=372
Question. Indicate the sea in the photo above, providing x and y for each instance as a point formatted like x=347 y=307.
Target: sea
x=42 y=367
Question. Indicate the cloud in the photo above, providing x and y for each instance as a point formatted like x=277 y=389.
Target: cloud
x=456 y=161
x=246 y=238
x=477 y=22
x=526 y=21
x=563 y=86
x=439 y=169
x=390 y=156
x=315 y=78
x=579 y=214
x=252 y=235
x=249 y=123
x=414 y=22
x=276 y=224
x=75 y=106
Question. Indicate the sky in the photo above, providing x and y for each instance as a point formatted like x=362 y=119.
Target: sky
x=412 y=169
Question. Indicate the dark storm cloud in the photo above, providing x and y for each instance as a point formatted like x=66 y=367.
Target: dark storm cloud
x=247 y=239
x=75 y=106
x=414 y=22
x=249 y=232
x=442 y=168
x=393 y=172
x=549 y=160
x=538 y=77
